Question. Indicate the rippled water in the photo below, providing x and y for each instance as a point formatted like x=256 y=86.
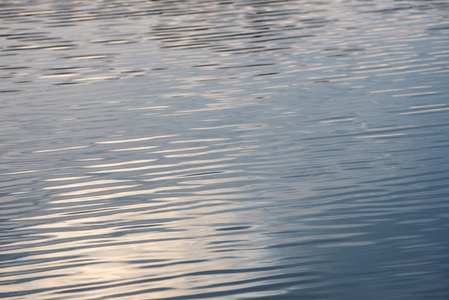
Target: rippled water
x=242 y=149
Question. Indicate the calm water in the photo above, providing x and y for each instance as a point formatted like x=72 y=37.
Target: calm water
x=242 y=149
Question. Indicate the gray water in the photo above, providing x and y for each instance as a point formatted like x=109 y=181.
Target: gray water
x=241 y=149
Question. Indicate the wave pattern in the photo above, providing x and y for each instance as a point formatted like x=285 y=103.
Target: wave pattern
x=247 y=149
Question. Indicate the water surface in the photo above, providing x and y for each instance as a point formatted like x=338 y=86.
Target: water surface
x=224 y=150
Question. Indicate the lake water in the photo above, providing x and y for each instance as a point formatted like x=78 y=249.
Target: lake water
x=242 y=149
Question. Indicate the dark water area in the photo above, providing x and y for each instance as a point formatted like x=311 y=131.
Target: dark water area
x=242 y=149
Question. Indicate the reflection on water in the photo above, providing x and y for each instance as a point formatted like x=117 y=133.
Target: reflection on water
x=224 y=150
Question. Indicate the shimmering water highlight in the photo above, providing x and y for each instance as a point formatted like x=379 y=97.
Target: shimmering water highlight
x=248 y=149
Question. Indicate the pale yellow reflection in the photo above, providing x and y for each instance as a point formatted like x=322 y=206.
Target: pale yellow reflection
x=136 y=139
x=379 y=135
x=133 y=149
x=60 y=149
x=424 y=111
x=67 y=178
x=82 y=184
x=111 y=264
x=89 y=191
x=123 y=194
x=122 y=163
x=204 y=161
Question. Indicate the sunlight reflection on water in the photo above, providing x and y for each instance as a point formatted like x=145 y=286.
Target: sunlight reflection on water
x=224 y=150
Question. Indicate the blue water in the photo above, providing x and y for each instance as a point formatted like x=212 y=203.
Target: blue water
x=224 y=150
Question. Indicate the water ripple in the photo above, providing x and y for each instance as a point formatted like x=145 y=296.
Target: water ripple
x=250 y=149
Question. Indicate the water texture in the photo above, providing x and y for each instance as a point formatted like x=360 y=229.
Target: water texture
x=241 y=149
